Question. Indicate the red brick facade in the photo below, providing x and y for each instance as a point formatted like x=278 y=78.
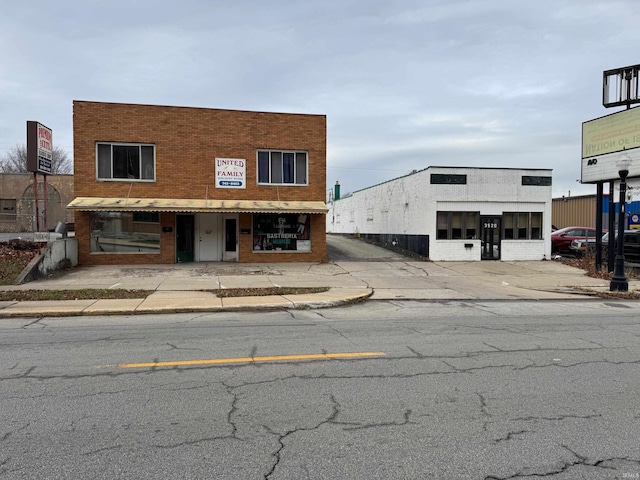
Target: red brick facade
x=187 y=141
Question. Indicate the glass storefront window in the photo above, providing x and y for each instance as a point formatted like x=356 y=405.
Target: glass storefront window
x=281 y=232
x=125 y=232
x=522 y=226
x=536 y=225
x=457 y=225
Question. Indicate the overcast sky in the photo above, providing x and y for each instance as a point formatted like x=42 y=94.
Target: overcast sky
x=405 y=84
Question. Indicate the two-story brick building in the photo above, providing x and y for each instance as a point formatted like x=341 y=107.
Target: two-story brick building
x=159 y=184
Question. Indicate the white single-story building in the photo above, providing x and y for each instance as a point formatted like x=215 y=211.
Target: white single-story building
x=454 y=213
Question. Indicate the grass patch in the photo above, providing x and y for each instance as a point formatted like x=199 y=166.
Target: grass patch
x=261 y=292
x=81 y=294
x=15 y=255
x=117 y=293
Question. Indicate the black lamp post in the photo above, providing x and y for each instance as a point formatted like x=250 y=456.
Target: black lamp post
x=619 y=280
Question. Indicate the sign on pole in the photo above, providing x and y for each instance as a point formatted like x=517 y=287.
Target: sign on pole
x=603 y=141
x=39 y=148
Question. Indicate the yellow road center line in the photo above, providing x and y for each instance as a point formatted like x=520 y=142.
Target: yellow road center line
x=274 y=358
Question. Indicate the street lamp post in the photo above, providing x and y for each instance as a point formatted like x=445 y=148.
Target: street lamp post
x=619 y=280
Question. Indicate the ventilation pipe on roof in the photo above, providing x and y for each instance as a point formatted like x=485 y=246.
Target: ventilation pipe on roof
x=336 y=191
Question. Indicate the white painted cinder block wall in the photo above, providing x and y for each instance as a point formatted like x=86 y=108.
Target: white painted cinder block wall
x=408 y=205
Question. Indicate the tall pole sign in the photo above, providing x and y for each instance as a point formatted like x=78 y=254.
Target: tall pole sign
x=608 y=140
x=39 y=160
x=39 y=148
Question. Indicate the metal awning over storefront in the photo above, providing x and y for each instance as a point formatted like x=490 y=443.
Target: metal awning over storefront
x=92 y=204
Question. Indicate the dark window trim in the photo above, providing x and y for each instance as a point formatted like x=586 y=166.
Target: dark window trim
x=533 y=181
x=448 y=179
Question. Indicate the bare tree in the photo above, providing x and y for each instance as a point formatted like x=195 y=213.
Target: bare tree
x=15 y=161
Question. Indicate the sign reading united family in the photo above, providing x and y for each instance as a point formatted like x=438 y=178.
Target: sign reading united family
x=231 y=173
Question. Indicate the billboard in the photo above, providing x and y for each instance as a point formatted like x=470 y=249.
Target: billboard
x=39 y=148
x=603 y=140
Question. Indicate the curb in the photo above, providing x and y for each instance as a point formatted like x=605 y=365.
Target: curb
x=291 y=304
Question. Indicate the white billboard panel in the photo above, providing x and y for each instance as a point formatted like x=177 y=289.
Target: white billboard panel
x=612 y=133
x=603 y=140
x=604 y=168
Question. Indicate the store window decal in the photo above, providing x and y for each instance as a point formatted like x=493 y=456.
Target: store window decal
x=281 y=232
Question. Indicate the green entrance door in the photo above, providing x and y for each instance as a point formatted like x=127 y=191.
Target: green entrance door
x=184 y=238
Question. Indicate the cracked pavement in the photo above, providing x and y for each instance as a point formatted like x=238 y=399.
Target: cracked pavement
x=477 y=390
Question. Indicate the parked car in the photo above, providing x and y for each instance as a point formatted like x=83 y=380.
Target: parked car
x=631 y=246
x=561 y=239
x=580 y=246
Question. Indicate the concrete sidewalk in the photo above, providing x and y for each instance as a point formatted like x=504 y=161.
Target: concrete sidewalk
x=179 y=288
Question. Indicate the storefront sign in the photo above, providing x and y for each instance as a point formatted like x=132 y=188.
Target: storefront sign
x=231 y=173
x=286 y=231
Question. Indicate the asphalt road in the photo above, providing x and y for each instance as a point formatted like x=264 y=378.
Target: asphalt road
x=471 y=390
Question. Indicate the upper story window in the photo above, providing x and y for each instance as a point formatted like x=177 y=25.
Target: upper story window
x=280 y=167
x=126 y=161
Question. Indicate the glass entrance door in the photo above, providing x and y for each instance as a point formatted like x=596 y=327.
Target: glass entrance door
x=490 y=234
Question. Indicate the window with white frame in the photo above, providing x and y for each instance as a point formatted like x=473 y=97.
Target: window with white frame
x=282 y=167
x=126 y=161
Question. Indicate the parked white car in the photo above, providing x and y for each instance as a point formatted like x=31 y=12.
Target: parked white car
x=579 y=246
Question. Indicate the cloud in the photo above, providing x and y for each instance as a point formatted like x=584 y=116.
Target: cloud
x=404 y=85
